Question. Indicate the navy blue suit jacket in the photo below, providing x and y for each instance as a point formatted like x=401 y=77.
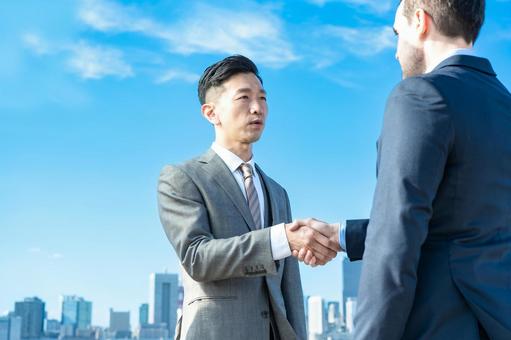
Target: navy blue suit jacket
x=437 y=257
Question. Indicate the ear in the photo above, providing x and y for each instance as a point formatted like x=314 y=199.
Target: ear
x=422 y=22
x=209 y=112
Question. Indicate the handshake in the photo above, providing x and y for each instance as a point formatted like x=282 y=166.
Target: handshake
x=313 y=242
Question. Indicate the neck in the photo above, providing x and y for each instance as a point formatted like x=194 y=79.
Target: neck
x=242 y=150
x=436 y=50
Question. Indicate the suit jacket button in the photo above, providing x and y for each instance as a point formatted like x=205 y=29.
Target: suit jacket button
x=265 y=314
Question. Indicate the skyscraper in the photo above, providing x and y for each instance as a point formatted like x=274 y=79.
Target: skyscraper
x=350 y=280
x=333 y=314
x=32 y=313
x=163 y=300
x=316 y=314
x=4 y=327
x=14 y=327
x=351 y=309
x=76 y=312
x=120 y=326
x=143 y=314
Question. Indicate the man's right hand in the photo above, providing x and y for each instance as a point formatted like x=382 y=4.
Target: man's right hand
x=331 y=231
x=315 y=239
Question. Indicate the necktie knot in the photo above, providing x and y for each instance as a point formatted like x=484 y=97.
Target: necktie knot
x=246 y=170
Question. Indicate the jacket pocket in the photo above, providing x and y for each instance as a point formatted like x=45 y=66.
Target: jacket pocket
x=212 y=298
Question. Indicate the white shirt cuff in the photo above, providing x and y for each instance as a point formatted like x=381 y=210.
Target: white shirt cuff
x=279 y=244
x=342 y=235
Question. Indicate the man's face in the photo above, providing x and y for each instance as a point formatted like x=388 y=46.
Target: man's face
x=410 y=50
x=241 y=109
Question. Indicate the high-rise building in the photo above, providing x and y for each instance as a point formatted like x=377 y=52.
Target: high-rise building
x=120 y=327
x=4 y=327
x=143 y=314
x=163 y=300
x=153 y=331
x=316 y=314
x=351 y=309
x=52 y=328
x=333 y=314
x=350 y=280
x=32 y=314
x=76 y=312
x=15 y=327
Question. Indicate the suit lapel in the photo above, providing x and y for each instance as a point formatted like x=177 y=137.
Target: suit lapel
x=220 y=173
x=271 y=202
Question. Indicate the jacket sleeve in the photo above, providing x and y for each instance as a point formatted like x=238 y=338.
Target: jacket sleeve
x=355 y=238
x=416 y=139
x=292 y=290
x=185 y=220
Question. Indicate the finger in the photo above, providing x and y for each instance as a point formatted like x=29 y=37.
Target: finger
x=302 y=253
x=322 y=245
x=304 y=221
x=308 y=257
x=323 y=253
x=314 y=261
x=295 y=253
x=294 y=226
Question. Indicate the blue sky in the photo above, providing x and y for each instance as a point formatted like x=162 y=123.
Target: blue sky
x=96 y=96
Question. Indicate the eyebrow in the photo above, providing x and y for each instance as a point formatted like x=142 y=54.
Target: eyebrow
x=246 y=89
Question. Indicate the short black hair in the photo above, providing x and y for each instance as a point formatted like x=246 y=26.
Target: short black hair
x=453 y=18
x=222 y=70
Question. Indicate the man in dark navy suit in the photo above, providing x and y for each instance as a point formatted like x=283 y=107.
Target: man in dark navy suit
x=437 y=252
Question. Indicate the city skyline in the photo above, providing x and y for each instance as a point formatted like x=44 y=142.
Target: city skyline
x=75 y=316
x=98 y=95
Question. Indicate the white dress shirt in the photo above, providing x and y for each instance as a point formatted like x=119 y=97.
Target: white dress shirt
x=278 y=239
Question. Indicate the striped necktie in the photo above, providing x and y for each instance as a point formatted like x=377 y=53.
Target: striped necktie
x=253 y=200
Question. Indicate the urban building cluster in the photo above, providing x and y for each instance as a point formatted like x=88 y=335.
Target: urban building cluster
x=326 y=320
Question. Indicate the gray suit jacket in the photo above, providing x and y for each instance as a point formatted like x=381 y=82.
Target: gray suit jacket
x=232 y=286
x=437 y=258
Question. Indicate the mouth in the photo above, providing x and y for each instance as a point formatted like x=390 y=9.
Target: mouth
x=256 y=123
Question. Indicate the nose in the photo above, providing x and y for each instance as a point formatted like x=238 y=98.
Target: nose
x=256 y=107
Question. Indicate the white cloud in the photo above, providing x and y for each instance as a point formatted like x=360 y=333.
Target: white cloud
x=173 y=74
x=34 y=250
x=362 y=41
x=96 y=62
x=35 y=43
x=55 y=256
x=257 y=34
x=377 y=6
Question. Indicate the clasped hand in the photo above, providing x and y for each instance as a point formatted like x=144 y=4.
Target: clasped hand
x=312 y=241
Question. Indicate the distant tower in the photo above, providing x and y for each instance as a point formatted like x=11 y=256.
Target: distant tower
x=333 y=314
x=351 y=309
x=163 y=300
x=143 y=314
x=76 y=313
x=120 y=327
x=32 y=313
x=316 y=314
x=351 y=278
x=10 y=327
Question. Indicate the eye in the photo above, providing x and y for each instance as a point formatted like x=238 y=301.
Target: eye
x=242 y=97
x=263 y=98
x=395 y=31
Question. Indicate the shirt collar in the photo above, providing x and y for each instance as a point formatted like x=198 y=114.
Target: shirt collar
x=457 y=51
x=232 y=160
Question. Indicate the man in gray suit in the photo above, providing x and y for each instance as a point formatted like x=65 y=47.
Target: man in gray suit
x=437 y=257
x=239 y=280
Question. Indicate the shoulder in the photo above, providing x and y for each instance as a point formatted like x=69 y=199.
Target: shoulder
x=420 y=87
x=180 y=174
